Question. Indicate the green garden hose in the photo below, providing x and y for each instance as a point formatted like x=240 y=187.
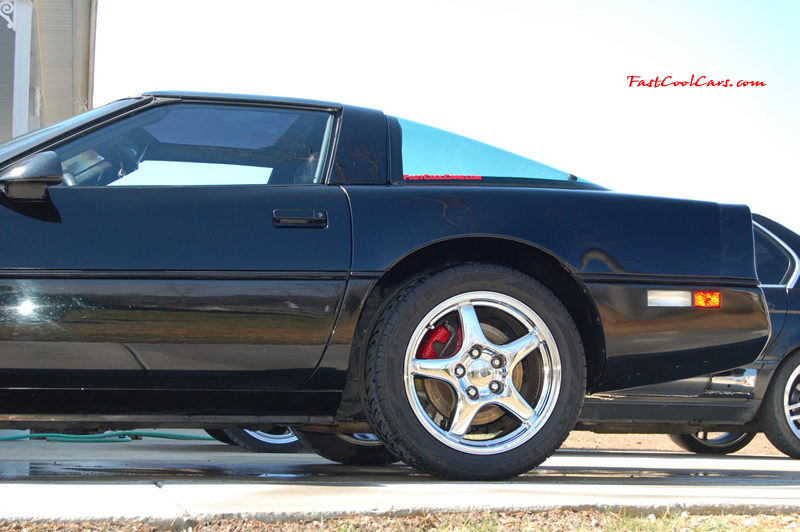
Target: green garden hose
x=107 y=437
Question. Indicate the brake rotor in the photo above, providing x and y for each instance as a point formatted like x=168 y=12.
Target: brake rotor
x=442 y=397
x=440 y=394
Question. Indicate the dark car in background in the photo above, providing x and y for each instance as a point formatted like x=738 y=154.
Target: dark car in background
x=722 y=412
x=223 y=262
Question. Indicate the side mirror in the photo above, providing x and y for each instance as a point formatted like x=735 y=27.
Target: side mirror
x=29 y=179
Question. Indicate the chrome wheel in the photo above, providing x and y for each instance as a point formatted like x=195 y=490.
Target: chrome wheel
x=273 y=436
x=780 y=410
x=502 y=377
x=791 y=402
x=475 y=372
x=275 y=439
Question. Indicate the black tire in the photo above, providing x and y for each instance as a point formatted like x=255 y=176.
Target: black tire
x=220 y=436
x=276 y=439
x=467 y=339
x=780 y=410
x=713 y=442
x=350 y=449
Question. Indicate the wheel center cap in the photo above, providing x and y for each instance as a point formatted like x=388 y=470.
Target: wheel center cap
x=479 y=372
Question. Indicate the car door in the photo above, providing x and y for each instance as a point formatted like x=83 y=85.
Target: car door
x=192 y=245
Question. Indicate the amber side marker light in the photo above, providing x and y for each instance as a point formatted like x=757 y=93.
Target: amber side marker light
x=707 y=299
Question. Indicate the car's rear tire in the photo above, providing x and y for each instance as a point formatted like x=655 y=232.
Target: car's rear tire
x=276 y=439
x=350 y=449
x=476 y=372
x=713 y=442
x=780 y=410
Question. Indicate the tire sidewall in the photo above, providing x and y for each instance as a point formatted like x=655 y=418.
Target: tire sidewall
x=773 y=418
x=410 y=436
x=693 y=444
x=339 y=448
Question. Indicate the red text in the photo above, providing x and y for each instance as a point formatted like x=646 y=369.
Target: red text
x=695 y=81
x=427 y=177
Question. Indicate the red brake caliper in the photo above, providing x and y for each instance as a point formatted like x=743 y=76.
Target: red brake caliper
x=440 y=335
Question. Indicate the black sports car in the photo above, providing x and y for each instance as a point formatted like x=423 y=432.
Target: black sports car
x=191 y=260
x=721 y=413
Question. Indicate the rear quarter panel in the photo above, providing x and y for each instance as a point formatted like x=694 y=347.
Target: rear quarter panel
x=592 y=232
x=615 y=246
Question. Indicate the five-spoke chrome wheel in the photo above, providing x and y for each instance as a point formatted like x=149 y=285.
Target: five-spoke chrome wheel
x=498 y=381
x=474 y=372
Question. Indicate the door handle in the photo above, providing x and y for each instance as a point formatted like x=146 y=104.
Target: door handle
x=308 y=218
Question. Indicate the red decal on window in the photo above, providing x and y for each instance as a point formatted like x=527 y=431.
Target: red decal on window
x=446 y=177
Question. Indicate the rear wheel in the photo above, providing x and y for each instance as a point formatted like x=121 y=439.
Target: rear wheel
x=276 y=439
x=350 y=449
x=713 y=442
x=476 y=372
x=780 y=411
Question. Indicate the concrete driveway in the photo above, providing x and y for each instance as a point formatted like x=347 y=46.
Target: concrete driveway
x=167 y=481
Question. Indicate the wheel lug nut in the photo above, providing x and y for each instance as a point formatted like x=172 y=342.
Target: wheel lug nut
x=495 y=387
x=472 y=392
x=475 y=352
x=459 y=371
x=497 y=362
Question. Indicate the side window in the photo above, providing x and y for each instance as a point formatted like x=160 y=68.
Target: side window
x=772 y=261
x=202 y=144
x=433 y=155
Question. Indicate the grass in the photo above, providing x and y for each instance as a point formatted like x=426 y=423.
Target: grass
x=553 y=520
x=485 y=521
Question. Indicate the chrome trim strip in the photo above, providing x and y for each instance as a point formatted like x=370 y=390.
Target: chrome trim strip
x=796 y=273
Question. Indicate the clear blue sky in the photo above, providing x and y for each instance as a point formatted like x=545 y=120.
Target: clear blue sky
x=547 y=80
